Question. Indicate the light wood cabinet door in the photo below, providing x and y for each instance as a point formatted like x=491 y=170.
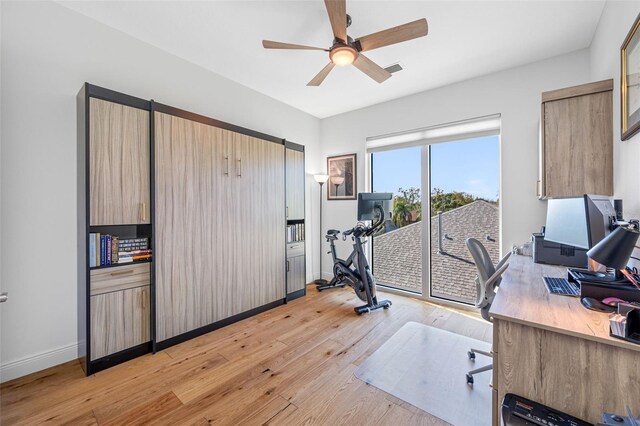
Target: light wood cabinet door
x=295 y=184
x=219 y=224
x=577 y=152
x=119 y=320
x=295 y=274
x=260 y=239
x=119 y=161
x=190 y=212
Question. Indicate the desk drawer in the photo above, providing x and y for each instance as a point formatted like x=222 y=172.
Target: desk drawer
x=295 y=249
x=117 y=278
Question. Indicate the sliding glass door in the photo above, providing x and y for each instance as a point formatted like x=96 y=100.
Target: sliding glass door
x=397 y=249
x=461 y=179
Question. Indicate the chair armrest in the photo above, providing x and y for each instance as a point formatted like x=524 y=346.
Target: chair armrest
x=503 y=260
x=496 y=274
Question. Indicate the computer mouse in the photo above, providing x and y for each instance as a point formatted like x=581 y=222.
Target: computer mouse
x=613 y=301
x=596 y=305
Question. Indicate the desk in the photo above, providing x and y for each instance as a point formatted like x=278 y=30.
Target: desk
x=551 y=349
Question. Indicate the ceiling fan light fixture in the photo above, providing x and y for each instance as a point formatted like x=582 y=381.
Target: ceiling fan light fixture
x=343 y=55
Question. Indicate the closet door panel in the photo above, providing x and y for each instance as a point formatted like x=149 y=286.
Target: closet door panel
x=186 y=179
x=119 y=162
x=295 y=184
x=268 y=244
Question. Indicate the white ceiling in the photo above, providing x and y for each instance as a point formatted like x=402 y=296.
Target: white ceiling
x=466 y=39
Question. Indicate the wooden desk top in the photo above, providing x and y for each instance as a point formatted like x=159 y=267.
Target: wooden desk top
x=523 y=298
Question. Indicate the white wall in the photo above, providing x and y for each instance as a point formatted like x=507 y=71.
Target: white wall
x=47 y=53
x=615 y=22
x=514 y=93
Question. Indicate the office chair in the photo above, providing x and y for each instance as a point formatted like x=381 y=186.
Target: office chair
x=487 y=281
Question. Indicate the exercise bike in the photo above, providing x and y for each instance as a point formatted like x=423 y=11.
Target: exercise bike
x=355 y=271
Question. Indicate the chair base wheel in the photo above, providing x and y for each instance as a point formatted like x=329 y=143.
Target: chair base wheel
x=469 y=379
x=472 y=355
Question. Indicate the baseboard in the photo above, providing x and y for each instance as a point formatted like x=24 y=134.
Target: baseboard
x=22 y=367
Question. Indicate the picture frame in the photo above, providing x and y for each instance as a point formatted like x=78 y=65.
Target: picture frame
x=630 y=83
x=342 y=183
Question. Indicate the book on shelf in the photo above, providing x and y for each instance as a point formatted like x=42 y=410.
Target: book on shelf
x=110 y=250
x=295 y=232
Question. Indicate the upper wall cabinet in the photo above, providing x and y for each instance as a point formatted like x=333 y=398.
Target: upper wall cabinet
x=295 y=184
x=119 y=161
x=576 y=141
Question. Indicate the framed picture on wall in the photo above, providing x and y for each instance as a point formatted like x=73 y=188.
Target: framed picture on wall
x=630 y=82
x=342 y=177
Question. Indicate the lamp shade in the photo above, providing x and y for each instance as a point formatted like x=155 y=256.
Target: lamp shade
x=616 y=248
x=321 y=178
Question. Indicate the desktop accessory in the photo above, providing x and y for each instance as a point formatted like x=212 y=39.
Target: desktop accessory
x=517 y=411
x=596 y=305
x=561 y=286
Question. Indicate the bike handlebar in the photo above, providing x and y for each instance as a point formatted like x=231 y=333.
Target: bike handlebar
x=360 y=230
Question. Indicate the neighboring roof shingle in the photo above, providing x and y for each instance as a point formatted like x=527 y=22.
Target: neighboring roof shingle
x=397 y=255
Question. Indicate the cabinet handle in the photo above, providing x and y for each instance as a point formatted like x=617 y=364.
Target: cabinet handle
x=227 y=170
x=287 y=215
x=287 y=266
x=538 y=188
x=144 y=212
x=239 y=167
x=128 y=271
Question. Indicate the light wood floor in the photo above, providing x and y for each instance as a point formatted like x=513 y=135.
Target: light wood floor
x=292 y=365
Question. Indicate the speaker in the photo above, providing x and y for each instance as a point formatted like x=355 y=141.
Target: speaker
x=617 y=206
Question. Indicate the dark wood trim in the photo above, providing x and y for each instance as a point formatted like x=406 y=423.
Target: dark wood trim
x=152 y=208
x=294 y=146
x=117 y=97
x=118 y=358
x=216 y=325
x=177 y=112
x=297 y=294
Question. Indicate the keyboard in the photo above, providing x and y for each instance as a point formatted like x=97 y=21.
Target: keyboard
x=561 y=286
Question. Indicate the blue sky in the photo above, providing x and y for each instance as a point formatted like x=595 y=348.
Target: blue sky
x=469 y=166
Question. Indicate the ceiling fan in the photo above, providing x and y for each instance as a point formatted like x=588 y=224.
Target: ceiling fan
x=346 y=51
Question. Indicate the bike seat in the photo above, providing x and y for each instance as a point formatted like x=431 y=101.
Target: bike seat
x=333 y=232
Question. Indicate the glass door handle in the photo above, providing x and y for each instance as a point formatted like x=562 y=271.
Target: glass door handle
x=4 y=297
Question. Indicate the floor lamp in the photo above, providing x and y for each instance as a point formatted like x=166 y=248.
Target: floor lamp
x=321 y=179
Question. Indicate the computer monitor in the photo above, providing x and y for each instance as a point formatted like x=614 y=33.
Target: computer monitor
x=579 y=222
x=601 y=217
x=567 y=222
x=368 y=201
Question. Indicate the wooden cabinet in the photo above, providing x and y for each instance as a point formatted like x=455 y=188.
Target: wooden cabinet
x=295 y=184
x=119 y=161
x=295 y=268
x=219 y=221
x=114 y=181
x=119 y=321
x=576 y=137
x=295 y=176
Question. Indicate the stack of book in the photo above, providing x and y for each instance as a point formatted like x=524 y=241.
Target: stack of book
x=110 y=250
x=617 y=322
x=295 y=232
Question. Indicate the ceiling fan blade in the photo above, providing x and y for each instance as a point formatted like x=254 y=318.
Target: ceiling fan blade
x=268 y=44
x=337 y=10
x=318 y=79
x=371 y=69
x=394 y=35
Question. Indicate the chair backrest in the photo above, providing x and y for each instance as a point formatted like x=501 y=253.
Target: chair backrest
x=486 y=269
